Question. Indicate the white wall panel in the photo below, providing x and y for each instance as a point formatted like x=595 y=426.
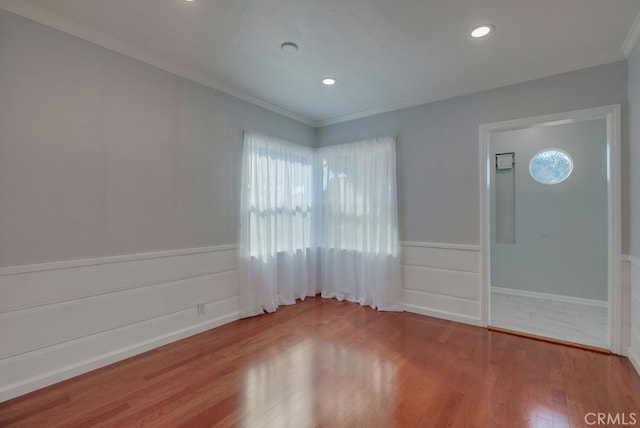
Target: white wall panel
x=442 y=280
x=625 y=307
x=634 y=325
x=37 y=369
x=106 y=310
x=34 y=328
x=27 y=286
x=442 y=256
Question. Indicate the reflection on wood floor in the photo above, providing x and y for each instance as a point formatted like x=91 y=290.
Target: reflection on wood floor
x=336 y=364
x=571 y=322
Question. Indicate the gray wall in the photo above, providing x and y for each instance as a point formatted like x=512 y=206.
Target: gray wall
x=103 y=155
x=634 y=153
x=560 y=244
x=438 y=148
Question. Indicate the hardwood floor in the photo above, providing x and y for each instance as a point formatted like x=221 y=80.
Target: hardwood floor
x=337 y=364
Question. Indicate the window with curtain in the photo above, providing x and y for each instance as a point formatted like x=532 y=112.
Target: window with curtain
x=359 y=196
x=359 y=239
x=279 y=198
x=333 y=208
x=276 y=243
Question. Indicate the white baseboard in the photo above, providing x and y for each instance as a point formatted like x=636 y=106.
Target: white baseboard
x=462 y=258
x=634 y=358
x=45 y=360
x=633 y=353
x=445 y=315
x=62 y=319
x=633 y=294
x=548 y=296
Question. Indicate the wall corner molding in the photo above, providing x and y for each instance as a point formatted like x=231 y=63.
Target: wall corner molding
x=632 y=38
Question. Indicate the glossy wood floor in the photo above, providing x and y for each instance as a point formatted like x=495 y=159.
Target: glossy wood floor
x=336 y=364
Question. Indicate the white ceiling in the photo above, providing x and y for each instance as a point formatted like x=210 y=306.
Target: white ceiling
x=385 y=54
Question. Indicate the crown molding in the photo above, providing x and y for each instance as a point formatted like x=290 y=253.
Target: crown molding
x=371 y=112
x=415 y=102
x=632 y=38
x=383 y=109
x=39 y=15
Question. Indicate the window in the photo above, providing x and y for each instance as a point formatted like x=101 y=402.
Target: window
x=279 y=180
x=333 y=208
x=359 y=196
x=551 y=166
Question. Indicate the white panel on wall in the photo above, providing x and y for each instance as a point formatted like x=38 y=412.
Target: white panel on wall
x=634 y=292
x=35 y=328
x=76 y=316
x=625 y=278
x=37 y=369
x=27 y=286
x=442 y=256
x=442 y=280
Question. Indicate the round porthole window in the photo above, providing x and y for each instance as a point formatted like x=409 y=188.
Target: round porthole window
x=551 y=166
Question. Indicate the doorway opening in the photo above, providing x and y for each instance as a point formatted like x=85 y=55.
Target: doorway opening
x=550 y=230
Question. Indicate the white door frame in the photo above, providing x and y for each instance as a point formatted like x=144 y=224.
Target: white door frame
x=614 y=223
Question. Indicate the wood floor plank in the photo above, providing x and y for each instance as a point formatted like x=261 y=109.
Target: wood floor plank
x=324 y=363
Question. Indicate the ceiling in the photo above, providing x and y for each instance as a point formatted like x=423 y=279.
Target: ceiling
x=385 y=54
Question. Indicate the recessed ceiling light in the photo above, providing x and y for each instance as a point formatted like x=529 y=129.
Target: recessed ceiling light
x=188 y=0
x=481 y=31
x=289 y=48
x=329 y=81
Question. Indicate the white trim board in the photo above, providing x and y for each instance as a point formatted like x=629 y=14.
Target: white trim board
x=445 y=315
x=449 y=257
x=462 y=247
x=66 y=264
x=549 y=296
x=33 y=286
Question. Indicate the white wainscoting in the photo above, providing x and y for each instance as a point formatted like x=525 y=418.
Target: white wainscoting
x=442 y=280
x=58 y=320
x=631 y=304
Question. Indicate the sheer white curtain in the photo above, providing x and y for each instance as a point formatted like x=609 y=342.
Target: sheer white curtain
x=359 y=238
x=277 y=248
